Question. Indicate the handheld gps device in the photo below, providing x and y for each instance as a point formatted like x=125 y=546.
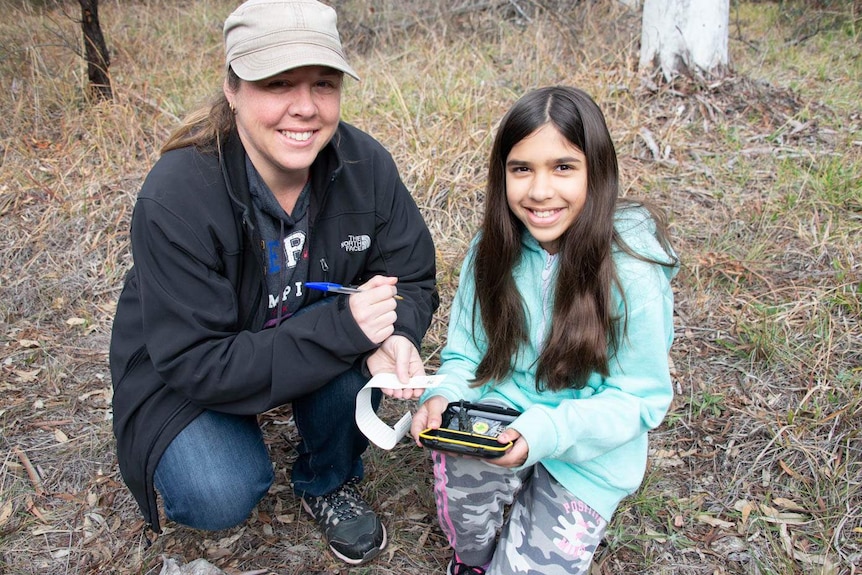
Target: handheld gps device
x=471 y=429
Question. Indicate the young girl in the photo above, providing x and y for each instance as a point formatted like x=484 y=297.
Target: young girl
x=564 y=313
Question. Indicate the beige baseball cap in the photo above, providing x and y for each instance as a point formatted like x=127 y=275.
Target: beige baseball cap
x=265 y=37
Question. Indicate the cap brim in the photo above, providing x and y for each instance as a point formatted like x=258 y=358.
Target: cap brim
x=277 y=59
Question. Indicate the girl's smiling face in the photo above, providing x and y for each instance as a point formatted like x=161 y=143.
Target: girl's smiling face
x=546 y=184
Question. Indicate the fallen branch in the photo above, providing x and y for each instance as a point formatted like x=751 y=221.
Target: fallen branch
x=31 y=471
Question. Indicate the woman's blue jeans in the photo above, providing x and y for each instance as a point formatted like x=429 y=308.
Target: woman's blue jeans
x=218 y=468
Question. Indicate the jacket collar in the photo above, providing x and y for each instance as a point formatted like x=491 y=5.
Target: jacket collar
x=530 y=243
x=325 y=169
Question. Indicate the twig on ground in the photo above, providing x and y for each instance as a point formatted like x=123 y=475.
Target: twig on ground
x=31 y=471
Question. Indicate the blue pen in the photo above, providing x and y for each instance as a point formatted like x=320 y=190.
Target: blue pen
x=335 y=288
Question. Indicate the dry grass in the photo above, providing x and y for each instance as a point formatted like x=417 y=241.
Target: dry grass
x=757 y=468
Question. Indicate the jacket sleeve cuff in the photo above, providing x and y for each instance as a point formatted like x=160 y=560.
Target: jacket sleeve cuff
x=537 y=430
x=451 y=393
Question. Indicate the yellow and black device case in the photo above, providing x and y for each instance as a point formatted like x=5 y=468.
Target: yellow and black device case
x=471 y=429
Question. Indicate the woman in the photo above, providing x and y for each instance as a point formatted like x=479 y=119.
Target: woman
x=254 y=196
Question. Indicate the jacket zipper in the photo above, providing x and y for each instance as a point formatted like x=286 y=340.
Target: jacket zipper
x=324 y=267
x=258 y=253
x=545 y=291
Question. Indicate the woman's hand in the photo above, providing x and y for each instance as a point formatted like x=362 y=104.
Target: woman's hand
x=516 y=456
x=398 y=354
x=373 y=308
x=429 y=414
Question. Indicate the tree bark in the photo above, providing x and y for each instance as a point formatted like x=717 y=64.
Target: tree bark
x=95 y=50
x=685 y=37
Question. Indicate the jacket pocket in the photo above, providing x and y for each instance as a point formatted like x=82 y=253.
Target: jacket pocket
x=136 y=359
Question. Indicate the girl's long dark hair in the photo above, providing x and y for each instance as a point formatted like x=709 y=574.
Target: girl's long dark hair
x=583 y=332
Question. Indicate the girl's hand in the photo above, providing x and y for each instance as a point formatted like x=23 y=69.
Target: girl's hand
x=429 y=414
x=398 y=354
x=517 y=455
x=373 y=308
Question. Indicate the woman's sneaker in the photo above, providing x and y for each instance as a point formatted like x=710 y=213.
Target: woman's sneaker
x=351 y=528
x=458 y=568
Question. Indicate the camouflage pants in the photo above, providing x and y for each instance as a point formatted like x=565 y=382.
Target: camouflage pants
x=549 y=531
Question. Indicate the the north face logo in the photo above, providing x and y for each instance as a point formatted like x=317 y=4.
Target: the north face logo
x=356 y=243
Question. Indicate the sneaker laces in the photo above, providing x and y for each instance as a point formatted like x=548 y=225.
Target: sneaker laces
x=344 y=503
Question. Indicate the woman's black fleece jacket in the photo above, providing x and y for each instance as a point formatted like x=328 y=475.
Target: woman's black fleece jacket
x=187 y=334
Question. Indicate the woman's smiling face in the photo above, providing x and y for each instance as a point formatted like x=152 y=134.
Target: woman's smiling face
x=285 y=120
x=546 y=184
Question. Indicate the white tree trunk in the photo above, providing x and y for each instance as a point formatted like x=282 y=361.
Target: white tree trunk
x=687 y=37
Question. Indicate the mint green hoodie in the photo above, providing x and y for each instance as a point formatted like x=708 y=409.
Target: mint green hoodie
x=592 y=440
